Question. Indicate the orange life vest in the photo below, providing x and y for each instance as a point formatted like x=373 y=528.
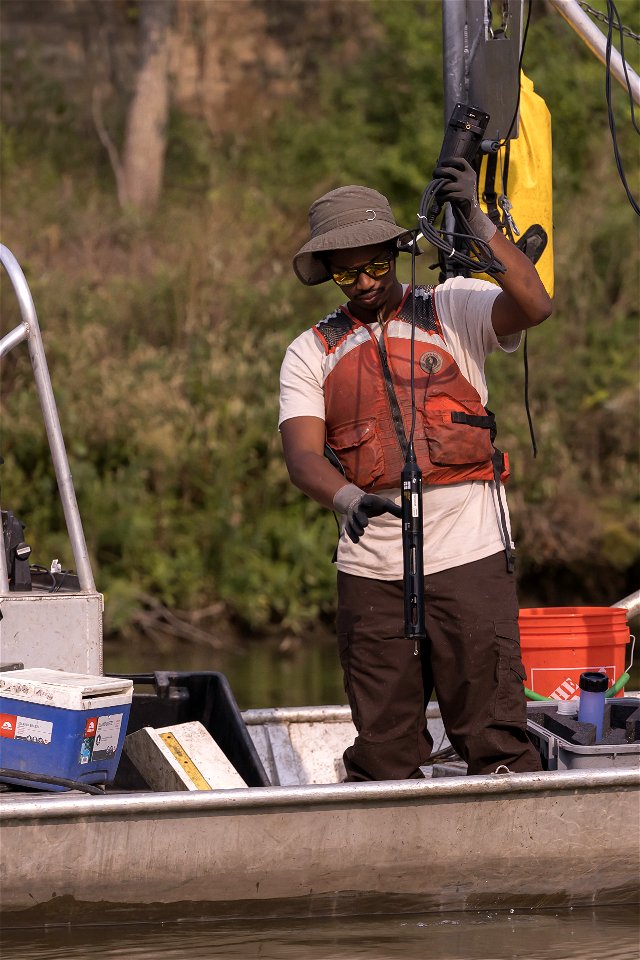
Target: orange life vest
x=368 y=412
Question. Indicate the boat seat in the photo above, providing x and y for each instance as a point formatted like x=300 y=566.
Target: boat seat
x=299 y=746
x=296 y=749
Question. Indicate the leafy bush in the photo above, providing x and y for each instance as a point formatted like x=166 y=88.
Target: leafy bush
x=165 y=334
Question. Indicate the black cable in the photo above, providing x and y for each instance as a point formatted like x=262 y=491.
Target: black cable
x=413 y=337
x=37 y=568
x=58 y=586
x=527 y=408
x=613 y=13
x=55 y=781
x=501 y=143
x=471 y=253
x=447 y=753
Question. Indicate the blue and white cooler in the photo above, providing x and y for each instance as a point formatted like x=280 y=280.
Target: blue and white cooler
x=61 y=726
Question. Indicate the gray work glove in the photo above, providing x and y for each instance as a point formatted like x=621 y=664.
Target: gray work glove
x=460 y=188
x=359 y=506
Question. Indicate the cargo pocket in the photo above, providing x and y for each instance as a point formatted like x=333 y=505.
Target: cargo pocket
x=510 y=705
x=359 y=451
x=452 y=443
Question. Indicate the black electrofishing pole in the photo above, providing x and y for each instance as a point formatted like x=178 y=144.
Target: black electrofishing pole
x=411 y=490
x=462 y=138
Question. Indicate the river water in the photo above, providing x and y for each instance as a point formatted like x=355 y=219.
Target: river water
x=608 y=933
x=262 y=675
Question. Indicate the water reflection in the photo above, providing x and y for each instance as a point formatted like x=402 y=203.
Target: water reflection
x=608 y=933
x=261 y=674
x=295 y=673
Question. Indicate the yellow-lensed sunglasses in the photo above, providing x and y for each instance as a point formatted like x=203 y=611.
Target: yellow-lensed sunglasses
x=375 y=269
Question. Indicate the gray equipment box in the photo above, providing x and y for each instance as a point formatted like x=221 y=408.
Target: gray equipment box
x=495 y=38
x=60 y=631
x=564 y=744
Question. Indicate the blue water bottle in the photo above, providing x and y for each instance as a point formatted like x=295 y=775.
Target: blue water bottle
x=592 y=690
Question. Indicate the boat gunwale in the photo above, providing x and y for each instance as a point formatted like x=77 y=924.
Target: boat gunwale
x=330 y=713
x=267 y=799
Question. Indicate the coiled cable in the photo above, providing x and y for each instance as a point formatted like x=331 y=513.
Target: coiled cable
x=459 y=246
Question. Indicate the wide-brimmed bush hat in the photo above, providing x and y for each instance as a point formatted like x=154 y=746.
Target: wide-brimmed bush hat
x=348 y=217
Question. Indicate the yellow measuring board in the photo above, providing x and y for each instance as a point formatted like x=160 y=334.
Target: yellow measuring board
x=185 y=761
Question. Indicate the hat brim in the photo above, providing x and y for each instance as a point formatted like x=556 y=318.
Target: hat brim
x=310 y=270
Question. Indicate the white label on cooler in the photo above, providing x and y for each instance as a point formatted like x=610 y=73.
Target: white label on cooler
x=35 y=731
x=107 y=735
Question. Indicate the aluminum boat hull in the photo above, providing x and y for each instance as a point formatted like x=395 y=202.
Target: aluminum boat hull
x=458 y=843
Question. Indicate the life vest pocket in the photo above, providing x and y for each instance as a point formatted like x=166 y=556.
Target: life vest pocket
x=453 y=441
x=359 y=450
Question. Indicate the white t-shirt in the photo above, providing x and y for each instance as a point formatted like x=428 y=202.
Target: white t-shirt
x=461 y=520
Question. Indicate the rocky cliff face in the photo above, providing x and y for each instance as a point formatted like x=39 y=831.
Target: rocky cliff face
x=228 y=58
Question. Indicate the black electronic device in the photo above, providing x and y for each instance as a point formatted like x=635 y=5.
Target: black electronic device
x=17 y=552
x=464 y=133
x=458 y=250
x=412 y=549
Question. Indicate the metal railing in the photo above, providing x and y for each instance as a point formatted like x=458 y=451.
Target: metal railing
x=29 y=330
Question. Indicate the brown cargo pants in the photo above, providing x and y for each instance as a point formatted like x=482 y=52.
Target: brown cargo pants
x=471 y=658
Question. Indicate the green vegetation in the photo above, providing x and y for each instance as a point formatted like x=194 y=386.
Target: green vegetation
x=165 y=334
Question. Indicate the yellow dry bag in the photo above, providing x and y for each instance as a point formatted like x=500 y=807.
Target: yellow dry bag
x=520 y=171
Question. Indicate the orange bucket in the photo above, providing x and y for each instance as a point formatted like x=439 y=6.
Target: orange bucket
x=560 y=643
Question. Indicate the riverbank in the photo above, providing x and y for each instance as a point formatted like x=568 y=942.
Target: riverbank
x=261 y=673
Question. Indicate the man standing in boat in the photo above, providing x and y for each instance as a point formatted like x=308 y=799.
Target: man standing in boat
x=344 y=397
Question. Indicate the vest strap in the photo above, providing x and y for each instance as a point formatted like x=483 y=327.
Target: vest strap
x=473 y=420
x=396 y=415
x=489 y=194
x=333 y=459
x=498 y=466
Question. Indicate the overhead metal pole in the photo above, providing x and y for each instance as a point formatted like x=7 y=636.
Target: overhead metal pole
x=571 y=11
x=480 y=66
x=454 y=40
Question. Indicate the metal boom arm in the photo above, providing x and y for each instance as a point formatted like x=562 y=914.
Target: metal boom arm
x=29 y=330
x=597 y=43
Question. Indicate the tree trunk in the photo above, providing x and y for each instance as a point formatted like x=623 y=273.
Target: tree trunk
x=145 y=137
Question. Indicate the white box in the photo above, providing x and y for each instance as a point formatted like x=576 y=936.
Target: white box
x=182 y=757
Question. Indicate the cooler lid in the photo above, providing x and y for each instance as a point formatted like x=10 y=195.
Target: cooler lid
x=57 y=688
